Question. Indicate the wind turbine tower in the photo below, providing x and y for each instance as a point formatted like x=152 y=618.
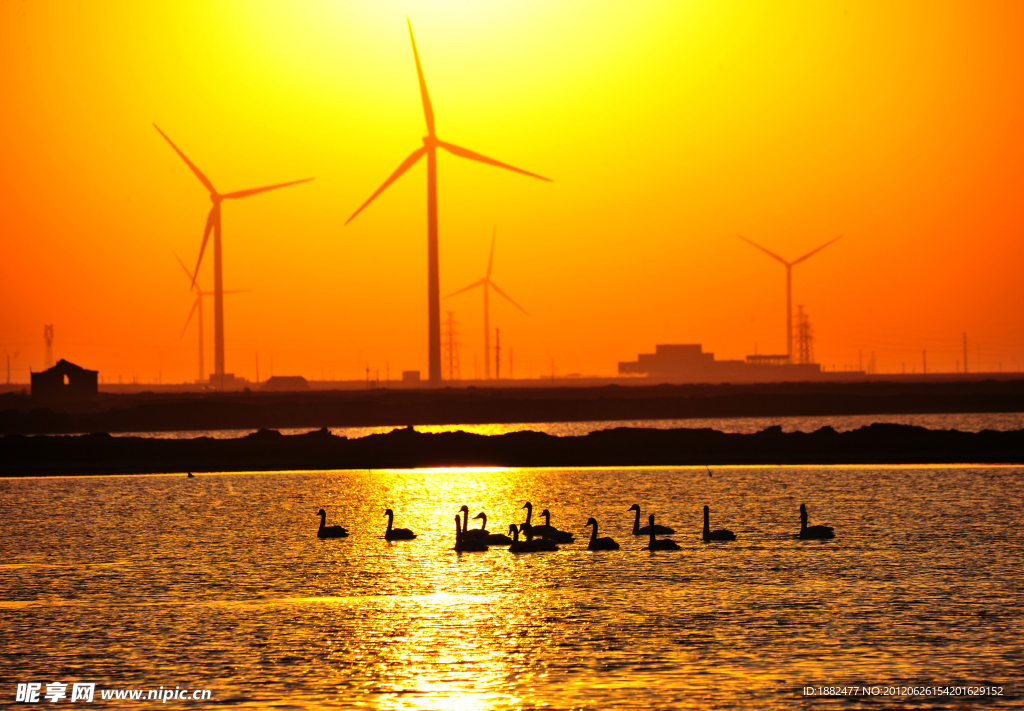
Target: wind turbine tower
x=197 y=306
x=487 y=284
x=789 y=287
x=213 y=223
x=429 y=149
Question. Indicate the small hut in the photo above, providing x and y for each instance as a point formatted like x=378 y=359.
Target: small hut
x=65 y=382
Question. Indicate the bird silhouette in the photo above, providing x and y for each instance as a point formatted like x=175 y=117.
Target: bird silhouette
x=492 y=539
x=658 y=544
x=813 y=532
x=530 y=544
x=719 y=535
x=599 y=544
x=326 y=531
x=637 y=531
x=396 y=534
x=466 y=545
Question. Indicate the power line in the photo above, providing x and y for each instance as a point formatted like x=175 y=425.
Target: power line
x=48 y=336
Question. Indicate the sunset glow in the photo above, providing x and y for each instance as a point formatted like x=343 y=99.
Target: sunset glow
x=668 y=128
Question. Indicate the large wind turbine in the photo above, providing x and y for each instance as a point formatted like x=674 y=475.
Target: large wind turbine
x=197 y=305
x=213 y=223
x=429 y=149
x=487 y=284
x=789 y=287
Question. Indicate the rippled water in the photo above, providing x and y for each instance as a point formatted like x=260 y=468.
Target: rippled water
x=218 y=582
x=965 y=422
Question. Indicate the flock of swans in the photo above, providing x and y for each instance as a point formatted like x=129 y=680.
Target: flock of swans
x=545 y=537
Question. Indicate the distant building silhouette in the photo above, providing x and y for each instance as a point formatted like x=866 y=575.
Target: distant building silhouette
x=285 y=382
x=769 y=360
x=410 y=376
x=65 y=382
x=670 y=359
x=689 y=362
x=227 y=381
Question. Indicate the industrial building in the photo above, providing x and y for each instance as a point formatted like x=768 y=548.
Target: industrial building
x=688 y=362
x=280 y=383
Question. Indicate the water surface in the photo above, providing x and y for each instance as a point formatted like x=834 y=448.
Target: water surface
x=219 y=582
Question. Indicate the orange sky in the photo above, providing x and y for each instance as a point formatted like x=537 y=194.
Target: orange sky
x=668 y=127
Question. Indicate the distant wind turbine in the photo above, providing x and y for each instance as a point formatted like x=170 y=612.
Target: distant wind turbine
x=487 y=284
x=213 y=223
x=197 y=305
x=789 y=287
x=429 y=149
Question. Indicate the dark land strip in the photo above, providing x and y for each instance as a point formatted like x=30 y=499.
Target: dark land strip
x=149 y=412
x=269 y=450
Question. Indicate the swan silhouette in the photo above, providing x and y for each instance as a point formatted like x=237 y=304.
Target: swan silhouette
x=529 y=512
x=396 y=534
x=542 y=544
x=658 y=544
x=326 y=531
x=492 y=539
x=518 y=546
x=637 y=531
x=719 y=535
x=546 y=530
x=475 y=534
x=818 y=532
x=483 y=518
x=531 y=544
x=466 y=545
x=599 y=544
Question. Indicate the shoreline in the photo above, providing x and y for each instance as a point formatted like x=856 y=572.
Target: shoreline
x=166 y=412
x=269 y=450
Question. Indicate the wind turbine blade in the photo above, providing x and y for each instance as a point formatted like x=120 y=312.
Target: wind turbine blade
x=490 y=262
x=255 y=191
x=195 y=305
x=495 y=287
x=472 y=155
x=236 y=291
x=428 y=109
x=210 y=220
x=187 y=272
x=199 y=174
x=797 y=261
x=406 y=164
x=770 y=254
x=466 y=288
